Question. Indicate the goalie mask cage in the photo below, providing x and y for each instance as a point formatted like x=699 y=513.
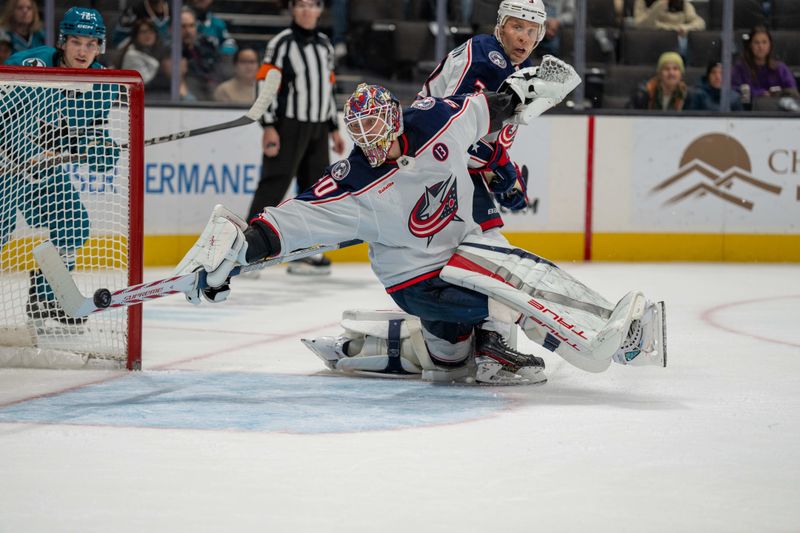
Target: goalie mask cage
x=71 y=167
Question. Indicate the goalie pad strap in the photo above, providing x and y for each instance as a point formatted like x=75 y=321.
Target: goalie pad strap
x=393 y=343
x=398 y=330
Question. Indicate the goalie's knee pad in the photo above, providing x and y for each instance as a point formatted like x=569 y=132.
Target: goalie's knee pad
x=383 y=342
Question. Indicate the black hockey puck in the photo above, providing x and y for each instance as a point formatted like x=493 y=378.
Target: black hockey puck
x=102 y=298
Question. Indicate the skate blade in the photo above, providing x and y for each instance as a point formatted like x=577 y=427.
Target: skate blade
x=662 y=331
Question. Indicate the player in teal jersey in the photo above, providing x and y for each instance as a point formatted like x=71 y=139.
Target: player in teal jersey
x=35 y=148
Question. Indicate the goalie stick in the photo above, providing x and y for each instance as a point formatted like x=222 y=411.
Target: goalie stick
x=77 y=305
x=271 y=84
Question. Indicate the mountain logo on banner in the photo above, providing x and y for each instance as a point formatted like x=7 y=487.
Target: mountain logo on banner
x=710 y=166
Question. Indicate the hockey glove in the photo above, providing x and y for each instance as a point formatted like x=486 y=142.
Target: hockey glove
x=498 y=170
x=553 y=80
x=517 y=198
x=220 y=248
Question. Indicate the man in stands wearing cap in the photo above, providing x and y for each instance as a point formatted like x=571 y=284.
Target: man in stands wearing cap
x=666 y=91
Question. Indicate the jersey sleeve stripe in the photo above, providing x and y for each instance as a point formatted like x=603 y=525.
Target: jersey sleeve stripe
x=497 y=222
x=489 y=122
x=413 y=281
x=467 y=65
x=444 y=128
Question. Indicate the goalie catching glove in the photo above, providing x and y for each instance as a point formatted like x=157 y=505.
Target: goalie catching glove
x=554 y=79
x=538 y=89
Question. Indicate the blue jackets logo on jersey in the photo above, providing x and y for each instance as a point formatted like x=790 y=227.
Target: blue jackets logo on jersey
x=340 y=170
x=435 y=209
x=498 y=59
x=424 y=104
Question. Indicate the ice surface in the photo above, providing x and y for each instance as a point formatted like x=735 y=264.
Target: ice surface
x=235 y=426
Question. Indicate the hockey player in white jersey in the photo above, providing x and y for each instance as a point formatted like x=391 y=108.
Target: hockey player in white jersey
x=405 y=189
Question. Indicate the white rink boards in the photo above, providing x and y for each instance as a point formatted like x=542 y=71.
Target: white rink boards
x=234 y=426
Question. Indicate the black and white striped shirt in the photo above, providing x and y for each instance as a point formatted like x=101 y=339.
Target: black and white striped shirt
x=305 y=58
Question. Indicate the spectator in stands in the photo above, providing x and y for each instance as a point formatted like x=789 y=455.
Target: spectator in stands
x=339 y=15
x=156 y=11
x=22 y=23
x=185 y=93
x=5 y=46
x=759 y=75
x=673 y=15
x=213 y=27
x=559 y=13
x=667 y=90
x=302 y=120
x=143 y=51
x=708 y=94
x=462 y=11
x=241 y=89
x=201 y=56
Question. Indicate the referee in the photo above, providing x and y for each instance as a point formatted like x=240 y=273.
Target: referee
x=302 y=117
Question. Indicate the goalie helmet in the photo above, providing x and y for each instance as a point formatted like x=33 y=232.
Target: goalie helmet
x=530 y=10
x=84 y=22
x=374 y=119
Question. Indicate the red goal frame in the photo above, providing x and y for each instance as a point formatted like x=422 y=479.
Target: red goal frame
x=133 y=81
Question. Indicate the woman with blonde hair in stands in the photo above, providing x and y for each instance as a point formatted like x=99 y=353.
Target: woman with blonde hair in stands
x=21 y=20
x=666 y=91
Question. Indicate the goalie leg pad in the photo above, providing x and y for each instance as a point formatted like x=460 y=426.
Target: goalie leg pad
x=561 y=313
x=529 y=285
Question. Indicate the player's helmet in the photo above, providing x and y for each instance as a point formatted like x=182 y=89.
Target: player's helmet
x=531 y=10
x=373 y=118
x=85 y=22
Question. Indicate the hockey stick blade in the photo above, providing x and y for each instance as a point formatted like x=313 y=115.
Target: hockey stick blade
x=270 y=88
x=60 y=280
x=77 y=305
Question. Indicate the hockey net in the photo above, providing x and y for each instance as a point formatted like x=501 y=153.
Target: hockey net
x=71 y=157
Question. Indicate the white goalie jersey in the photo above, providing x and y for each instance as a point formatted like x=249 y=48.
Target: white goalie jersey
x=413 y=211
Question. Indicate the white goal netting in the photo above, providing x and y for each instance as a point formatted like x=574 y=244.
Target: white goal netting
x=66 y=150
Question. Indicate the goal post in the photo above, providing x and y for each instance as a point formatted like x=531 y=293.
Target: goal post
x=71 y=171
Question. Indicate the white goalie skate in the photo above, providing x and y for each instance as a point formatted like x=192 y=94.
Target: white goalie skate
x=334 y=353
x=329 y=349
x=646 y=343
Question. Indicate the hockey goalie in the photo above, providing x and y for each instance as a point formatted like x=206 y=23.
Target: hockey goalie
x=406 y=190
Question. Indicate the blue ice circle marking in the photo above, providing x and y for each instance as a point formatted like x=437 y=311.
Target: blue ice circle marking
x=260 y=402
